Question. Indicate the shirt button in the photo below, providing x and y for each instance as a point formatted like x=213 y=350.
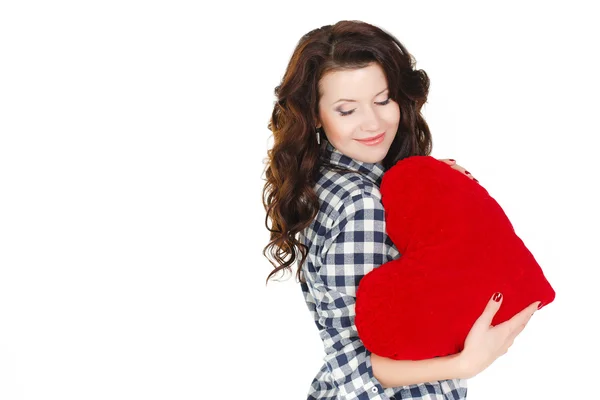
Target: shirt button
x=374 y=389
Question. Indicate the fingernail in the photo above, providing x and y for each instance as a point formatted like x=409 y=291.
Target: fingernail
x=451 y=159
x=467 y=172
x=497 y=296
x=540 y=305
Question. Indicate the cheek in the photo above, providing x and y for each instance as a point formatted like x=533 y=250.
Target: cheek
x=392 y=114
x=339 y=128
x=335 y=135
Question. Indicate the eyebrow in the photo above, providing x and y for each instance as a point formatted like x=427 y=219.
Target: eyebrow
x=354 y=101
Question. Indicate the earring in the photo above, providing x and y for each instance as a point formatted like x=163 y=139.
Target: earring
x=318 y=136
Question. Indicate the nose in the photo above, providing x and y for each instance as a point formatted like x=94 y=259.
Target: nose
x=371 y=122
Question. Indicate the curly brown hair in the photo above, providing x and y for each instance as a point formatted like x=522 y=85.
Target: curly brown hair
x=289 y=196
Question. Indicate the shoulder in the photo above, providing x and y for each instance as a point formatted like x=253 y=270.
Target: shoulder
x=339 y=190
x=345 y=196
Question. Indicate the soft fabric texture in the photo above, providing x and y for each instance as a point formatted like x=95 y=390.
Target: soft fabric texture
x=457 y=248
x=346 y=240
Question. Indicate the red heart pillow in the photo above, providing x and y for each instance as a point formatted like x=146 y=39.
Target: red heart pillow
x=457 y=248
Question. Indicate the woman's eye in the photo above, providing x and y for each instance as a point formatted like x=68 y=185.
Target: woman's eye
x=382 y=103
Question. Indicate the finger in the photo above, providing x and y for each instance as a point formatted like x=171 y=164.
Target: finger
x=509 y=343
x=460 y=168
x=521 y=317
x=457 y=167
x=463 y=170
x=519 y=328
x=491 y=309
x=448 y=161
x=512 y=336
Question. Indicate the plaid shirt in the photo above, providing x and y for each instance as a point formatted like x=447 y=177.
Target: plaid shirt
x=346 y=240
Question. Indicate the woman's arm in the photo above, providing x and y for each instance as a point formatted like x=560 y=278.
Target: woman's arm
x=392 y=373
x=354 y=245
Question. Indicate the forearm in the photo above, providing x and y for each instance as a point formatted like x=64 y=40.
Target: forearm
x=392 y=373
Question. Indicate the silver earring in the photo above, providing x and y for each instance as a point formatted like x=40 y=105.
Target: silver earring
x=318 y=136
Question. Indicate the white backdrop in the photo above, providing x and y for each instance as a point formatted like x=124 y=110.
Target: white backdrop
x=132 y=142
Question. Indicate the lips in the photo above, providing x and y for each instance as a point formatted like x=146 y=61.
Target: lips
x=371 y=138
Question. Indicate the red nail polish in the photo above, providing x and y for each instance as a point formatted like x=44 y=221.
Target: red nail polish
x=467 y=172
x=540 y=305
x=451 y=159
x=497 y=296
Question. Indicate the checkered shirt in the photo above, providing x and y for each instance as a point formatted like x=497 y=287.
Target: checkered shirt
x=346 y=240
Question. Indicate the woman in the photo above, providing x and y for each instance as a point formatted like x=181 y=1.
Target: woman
x=349 y=108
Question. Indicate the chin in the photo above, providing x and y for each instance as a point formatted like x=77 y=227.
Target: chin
x=372 y=159
x=378 y=155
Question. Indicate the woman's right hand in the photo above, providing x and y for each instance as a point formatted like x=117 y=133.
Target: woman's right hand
x=485 y=343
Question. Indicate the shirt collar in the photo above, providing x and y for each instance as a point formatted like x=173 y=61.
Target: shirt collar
x=373 y=171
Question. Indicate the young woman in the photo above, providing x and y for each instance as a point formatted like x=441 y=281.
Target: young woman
x=348 y=108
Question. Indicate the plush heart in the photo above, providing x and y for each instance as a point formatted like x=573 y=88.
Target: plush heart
x=457 y=248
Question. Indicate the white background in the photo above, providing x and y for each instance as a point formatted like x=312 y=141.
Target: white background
x=132 y=142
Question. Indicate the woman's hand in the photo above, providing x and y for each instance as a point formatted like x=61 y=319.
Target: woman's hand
x=485 y=343
x=457 y=167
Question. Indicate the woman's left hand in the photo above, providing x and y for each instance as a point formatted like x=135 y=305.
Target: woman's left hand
x=457 y=167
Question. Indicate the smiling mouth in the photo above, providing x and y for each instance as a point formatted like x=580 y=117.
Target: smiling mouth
x=371 y=138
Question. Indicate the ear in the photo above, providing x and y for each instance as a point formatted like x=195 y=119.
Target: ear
x=317 y=123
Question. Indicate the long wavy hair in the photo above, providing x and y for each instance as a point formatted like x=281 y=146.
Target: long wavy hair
x=293 y=163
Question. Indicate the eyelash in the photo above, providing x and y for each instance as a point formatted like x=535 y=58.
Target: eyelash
x=383 y=103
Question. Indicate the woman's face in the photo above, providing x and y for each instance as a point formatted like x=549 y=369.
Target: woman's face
x=369 y=110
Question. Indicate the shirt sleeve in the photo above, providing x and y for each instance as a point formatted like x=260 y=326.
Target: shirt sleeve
x=355 y=244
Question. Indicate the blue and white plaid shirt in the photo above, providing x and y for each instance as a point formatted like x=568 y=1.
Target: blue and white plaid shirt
x=346 y=240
